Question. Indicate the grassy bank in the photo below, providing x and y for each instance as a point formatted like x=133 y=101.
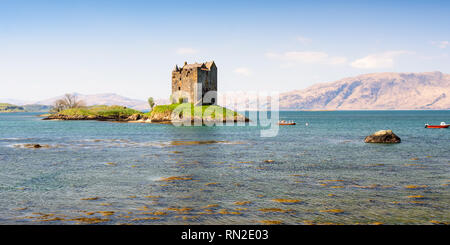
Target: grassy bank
x=214 y=111
x=160 y=113
x=100 y=111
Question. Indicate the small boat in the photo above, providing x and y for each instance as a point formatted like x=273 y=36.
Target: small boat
x=442 y=125
x=283 y=122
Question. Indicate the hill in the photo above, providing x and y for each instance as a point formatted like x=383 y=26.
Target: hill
x=429 y=90
x=376 y=91
x=15 y=101
x=36 y=108
x=6 y=107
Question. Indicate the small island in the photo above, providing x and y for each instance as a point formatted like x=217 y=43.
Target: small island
x=194 y=97
x=159 y=114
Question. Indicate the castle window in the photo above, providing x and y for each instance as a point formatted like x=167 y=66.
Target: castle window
x=179 y=88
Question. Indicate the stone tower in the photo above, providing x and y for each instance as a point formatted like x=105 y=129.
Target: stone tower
x=195 y=83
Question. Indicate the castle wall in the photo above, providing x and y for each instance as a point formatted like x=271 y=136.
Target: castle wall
x=208 y=81
x=186 y=82
x=184 y=85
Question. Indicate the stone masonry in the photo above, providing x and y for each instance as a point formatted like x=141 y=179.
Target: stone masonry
x=195 y=83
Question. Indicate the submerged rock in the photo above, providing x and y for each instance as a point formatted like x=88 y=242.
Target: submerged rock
x=32 y=146
x=383 y=136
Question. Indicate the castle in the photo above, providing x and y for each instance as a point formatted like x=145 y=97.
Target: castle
x=192 y=82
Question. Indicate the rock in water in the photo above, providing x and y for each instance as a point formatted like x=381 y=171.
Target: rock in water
x=383 y=136
x=35 y=146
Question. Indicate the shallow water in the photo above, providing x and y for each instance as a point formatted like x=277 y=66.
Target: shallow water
x=325 y=170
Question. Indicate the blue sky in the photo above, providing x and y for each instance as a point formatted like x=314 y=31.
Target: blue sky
x=48 y=48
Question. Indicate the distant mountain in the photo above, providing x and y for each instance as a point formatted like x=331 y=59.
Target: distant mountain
x=15 y=102
x=108 y=99
x=377 y=91
x=428 y=90
x=36 y=108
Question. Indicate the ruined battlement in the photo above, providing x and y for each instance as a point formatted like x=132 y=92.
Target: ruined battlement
x=195 y=83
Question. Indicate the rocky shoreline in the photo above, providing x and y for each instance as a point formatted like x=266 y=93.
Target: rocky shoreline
x=163 y=118
x=60 y=117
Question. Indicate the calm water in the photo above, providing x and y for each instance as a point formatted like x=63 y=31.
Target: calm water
x=326 y=166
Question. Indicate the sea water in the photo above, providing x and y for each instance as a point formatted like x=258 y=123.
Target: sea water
x=320 y=173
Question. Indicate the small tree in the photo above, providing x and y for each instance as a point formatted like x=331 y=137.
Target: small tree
x=68 y=101
x=151 y=103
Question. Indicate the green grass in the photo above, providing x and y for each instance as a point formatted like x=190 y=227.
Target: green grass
x=160 y=109
x=101 y=110
x=218 y=111
x=197 y=111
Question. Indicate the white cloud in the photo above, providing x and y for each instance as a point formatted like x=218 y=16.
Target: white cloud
x=381 y=60
x=441 y=44
x=186 y=51
x=304 y=40
x=243 y=71
x=308 y=57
